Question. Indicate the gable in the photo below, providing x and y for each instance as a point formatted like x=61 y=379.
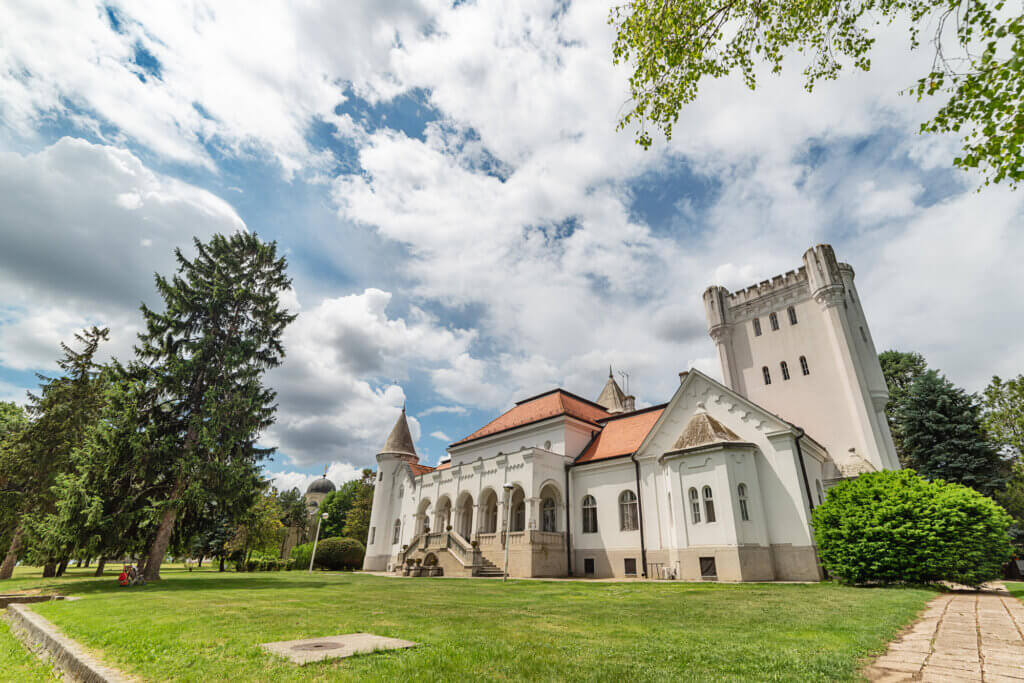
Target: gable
x=743 y=420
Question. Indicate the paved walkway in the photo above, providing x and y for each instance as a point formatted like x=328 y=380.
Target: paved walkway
x=960 y=637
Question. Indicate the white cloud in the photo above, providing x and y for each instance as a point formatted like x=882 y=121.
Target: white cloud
x=241 y=77
x=433 y=410
x=441 y=436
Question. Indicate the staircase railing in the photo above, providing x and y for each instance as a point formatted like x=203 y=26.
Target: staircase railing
x=413 y=545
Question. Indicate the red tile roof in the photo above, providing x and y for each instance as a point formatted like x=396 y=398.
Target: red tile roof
x=445 y=465
x=551 y=404
x=621 y=435
x=417 y=470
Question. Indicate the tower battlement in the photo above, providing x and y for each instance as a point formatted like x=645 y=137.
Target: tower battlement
x=798 y=344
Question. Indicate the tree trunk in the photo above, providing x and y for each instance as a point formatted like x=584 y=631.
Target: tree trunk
x=49 y=570
x=163 y=537
x=221 y=564
x=78 y=563
x=99 y=566
x=11 y=559
x=200 y=565
x=61 y=567
x=86 y=563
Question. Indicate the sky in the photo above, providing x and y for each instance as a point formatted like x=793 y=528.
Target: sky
x=463 y=223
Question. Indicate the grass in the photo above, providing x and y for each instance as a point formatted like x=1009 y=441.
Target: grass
x=1016 y=589
x=17 y=663
x=207 y=626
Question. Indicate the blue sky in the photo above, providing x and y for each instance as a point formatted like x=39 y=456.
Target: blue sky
x=463 y=222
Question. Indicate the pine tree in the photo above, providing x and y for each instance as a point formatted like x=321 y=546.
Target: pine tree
x=940 y=427
x=900 y=369
x=204 y=357
x=61 y=414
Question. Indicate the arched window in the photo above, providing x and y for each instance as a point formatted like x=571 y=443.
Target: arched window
x=709 y=505
x=803 y=365
x=695 y=506
x=401 y=491
x=589 y=515
x=767 y=375
x=757 y=327
x=548 y=518
x=785 y=370
x=629 y=514
x=792 y=315
x=774 y=320
x=821 y=493
x=398 y=531
x=519 y=517
x=744 y=511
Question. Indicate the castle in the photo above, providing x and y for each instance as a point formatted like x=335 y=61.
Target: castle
x=717 y=483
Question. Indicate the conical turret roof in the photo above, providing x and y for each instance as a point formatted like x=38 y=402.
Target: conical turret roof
x=612 y=398
x=704 y=430
x=400 y=439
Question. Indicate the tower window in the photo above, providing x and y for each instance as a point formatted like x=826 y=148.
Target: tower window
x=695 y=506
x=767 y=375
x=709 y=505
x=785 y=370
x=774 y=320
x=398 y=531
x=757 y=327
x=792 y=315
x=803 y=365
x=744 y=511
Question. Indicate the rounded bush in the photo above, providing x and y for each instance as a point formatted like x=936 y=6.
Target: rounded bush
x=340 y=553
x=895 y=527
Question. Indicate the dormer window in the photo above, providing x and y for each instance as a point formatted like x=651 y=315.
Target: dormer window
x=773 y=319
x=757 y=327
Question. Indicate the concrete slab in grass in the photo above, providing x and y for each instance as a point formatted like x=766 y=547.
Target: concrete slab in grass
x=334 y=647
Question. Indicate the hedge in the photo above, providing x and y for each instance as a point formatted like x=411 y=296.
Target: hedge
x=895 y=527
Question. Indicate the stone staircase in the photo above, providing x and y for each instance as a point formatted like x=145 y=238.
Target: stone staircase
x=488 y=569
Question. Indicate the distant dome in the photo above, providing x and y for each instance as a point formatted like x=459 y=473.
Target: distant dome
x=321 y=485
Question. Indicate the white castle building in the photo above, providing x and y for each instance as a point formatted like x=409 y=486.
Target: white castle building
x=718 y=483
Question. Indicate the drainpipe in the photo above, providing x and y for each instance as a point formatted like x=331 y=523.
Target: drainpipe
x=568 y=523
x=640 y=514
x=803 y=469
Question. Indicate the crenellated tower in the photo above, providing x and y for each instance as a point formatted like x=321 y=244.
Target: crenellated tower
x=799 y=345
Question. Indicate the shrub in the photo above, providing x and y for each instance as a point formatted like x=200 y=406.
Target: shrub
x=300 y=555
x=895 y=527
x=340 y=553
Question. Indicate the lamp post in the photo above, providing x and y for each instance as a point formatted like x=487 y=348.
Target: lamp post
x=315 y=540
x=508 y=524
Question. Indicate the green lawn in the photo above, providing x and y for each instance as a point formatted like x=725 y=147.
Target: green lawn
x=17 y=663
x=207 y=626
x=1016 y=589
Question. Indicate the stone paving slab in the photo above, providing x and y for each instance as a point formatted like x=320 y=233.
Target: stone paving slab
x=333 y=647
x=961 y=636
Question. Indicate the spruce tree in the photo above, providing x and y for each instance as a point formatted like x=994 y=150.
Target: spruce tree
x=61 y=414
x=940 y=427
x=204 y=357
x=901 y=369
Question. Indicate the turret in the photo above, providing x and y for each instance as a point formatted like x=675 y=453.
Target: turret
x=392 y=464
x=613 y=398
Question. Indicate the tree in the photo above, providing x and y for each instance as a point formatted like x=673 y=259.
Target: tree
x=1011 y=497
x=940 y=427
x=895 y=527
x=204 y=357
x=900 y=369
x=337 y=505
x=357 y=521
x=12 y=421
x=61 y=414
x=294 y=515
x=260 y=528
x=672 y=45
x=1003 y=414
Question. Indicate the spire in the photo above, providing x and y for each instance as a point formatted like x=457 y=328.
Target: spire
x=400 y=439
x=612 y=398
